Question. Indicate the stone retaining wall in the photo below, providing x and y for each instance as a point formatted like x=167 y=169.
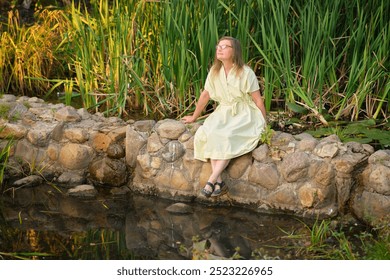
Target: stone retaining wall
x=294 y=174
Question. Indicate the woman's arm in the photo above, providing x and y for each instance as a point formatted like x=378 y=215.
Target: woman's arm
x=258 y=100
x=202 y=102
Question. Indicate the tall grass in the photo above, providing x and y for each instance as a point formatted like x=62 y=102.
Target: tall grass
x=328 y=57
x=321 y=55
x=324 y=240
x=97 y=244
x=4 y=155
x=140 y=55
x=367 y=64
x=31 y=54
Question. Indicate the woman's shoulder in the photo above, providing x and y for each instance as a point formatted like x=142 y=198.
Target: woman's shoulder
x=214 y=71
x=247 y=68
x=247 y=71
x=243 y=69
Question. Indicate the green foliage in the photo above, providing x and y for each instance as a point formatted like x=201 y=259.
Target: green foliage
x=154 y=55
x=266 y=136
x=4 y=110
x=376 y=249
x=324 y=240
x=366 y=131
x=29 y=55
x=4 y=155
x=98 y=244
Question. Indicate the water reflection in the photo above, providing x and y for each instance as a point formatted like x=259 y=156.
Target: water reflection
x=57 y=226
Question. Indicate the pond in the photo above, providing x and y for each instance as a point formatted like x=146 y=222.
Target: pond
x=45 y=223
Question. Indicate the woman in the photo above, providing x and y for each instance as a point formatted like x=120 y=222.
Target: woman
x=236 y=125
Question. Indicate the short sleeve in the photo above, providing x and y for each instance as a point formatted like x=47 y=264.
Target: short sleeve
x=209 y=86
x=252 y=84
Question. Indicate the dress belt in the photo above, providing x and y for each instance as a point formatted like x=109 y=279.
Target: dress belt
x=233 y=105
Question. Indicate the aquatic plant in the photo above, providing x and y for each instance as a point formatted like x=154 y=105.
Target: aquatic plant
x=323 y=239
x=266 y=136
x=30 y=54
x=4 y=155
x=97 y=244
x=364 y=131
x=325 y=58
x=4 y=110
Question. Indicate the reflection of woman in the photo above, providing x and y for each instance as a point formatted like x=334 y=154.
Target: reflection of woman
x=235 y=127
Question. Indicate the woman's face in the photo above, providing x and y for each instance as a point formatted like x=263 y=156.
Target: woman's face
x=224 y=51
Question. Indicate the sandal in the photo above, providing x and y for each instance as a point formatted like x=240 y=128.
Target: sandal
x=222 y=189
x=206 y=192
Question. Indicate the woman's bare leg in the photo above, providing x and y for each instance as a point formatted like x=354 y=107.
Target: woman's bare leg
x=217 y=166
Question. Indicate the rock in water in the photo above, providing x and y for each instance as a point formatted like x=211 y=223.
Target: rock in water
x=180 y=208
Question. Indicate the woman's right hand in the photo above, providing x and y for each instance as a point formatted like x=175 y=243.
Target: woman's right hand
x=188 y=119
x=202 y=102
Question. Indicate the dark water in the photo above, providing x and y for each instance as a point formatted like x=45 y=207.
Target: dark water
x=42 y=223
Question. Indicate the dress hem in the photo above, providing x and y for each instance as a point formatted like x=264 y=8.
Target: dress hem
x=206 y=158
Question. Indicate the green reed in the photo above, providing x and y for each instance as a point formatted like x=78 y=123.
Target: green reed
x=99 y=244
x=326 y=60
x=101 y=46
x=367 y=64
x=96 y=244
x=330 y=57
x=272 y=43
x=324 y=239
x=4 y=155
x=30 y=54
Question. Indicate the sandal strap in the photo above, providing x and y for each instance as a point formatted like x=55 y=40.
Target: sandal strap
x=206 y=192
x=212 y=188
x=211 y=185
x=221 y=185
x=222 y=189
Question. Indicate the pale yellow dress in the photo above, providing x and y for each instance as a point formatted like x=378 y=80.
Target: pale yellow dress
x=236 y=125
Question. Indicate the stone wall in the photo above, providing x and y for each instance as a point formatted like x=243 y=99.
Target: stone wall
x=294 y=174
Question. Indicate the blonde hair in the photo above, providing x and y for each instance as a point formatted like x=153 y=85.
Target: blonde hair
x=237 y=56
